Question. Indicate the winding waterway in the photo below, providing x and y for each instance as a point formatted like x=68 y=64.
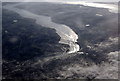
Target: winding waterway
x=68 y=36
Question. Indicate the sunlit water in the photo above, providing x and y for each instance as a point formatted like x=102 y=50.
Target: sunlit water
x=111 y=7
x=68 y=36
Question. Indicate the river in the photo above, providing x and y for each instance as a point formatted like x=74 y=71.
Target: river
x=68 y=36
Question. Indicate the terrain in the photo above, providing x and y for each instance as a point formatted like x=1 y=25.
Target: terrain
x=31 y=51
